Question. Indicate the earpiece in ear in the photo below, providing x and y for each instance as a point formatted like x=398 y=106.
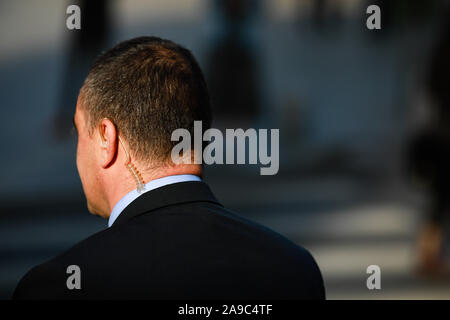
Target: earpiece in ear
x=105 y=143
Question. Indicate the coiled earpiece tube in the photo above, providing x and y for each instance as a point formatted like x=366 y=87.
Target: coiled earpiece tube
x=134 y=171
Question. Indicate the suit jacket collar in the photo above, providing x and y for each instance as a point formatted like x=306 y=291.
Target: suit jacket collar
x=177 y=193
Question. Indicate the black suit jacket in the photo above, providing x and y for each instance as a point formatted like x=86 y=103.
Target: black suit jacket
x=179 y=242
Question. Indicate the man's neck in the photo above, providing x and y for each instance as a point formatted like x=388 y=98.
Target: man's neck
x=154 y=184
x=119 y=187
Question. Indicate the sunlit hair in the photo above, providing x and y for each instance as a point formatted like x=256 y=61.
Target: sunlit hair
x=147 y=87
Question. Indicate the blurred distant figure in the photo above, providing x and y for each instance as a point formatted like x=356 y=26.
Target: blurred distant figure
x=430 y=160
x=232 y=69
x=84 y=45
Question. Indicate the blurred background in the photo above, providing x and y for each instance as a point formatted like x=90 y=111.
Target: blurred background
x=363 y=118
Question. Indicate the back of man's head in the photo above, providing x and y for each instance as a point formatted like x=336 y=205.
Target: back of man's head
x=147 y=87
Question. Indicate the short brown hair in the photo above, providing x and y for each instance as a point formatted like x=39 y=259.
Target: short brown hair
x=148 y=87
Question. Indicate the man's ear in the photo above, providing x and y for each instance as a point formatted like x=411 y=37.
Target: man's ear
x=109 y=142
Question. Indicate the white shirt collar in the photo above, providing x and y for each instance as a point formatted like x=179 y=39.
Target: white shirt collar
x=157 y=183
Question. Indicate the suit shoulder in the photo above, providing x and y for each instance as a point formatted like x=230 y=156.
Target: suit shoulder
x=37 y=283
x=287 y=257
x=48 y=280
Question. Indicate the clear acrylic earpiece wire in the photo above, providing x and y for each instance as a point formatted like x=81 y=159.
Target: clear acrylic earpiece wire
x=134 y=171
